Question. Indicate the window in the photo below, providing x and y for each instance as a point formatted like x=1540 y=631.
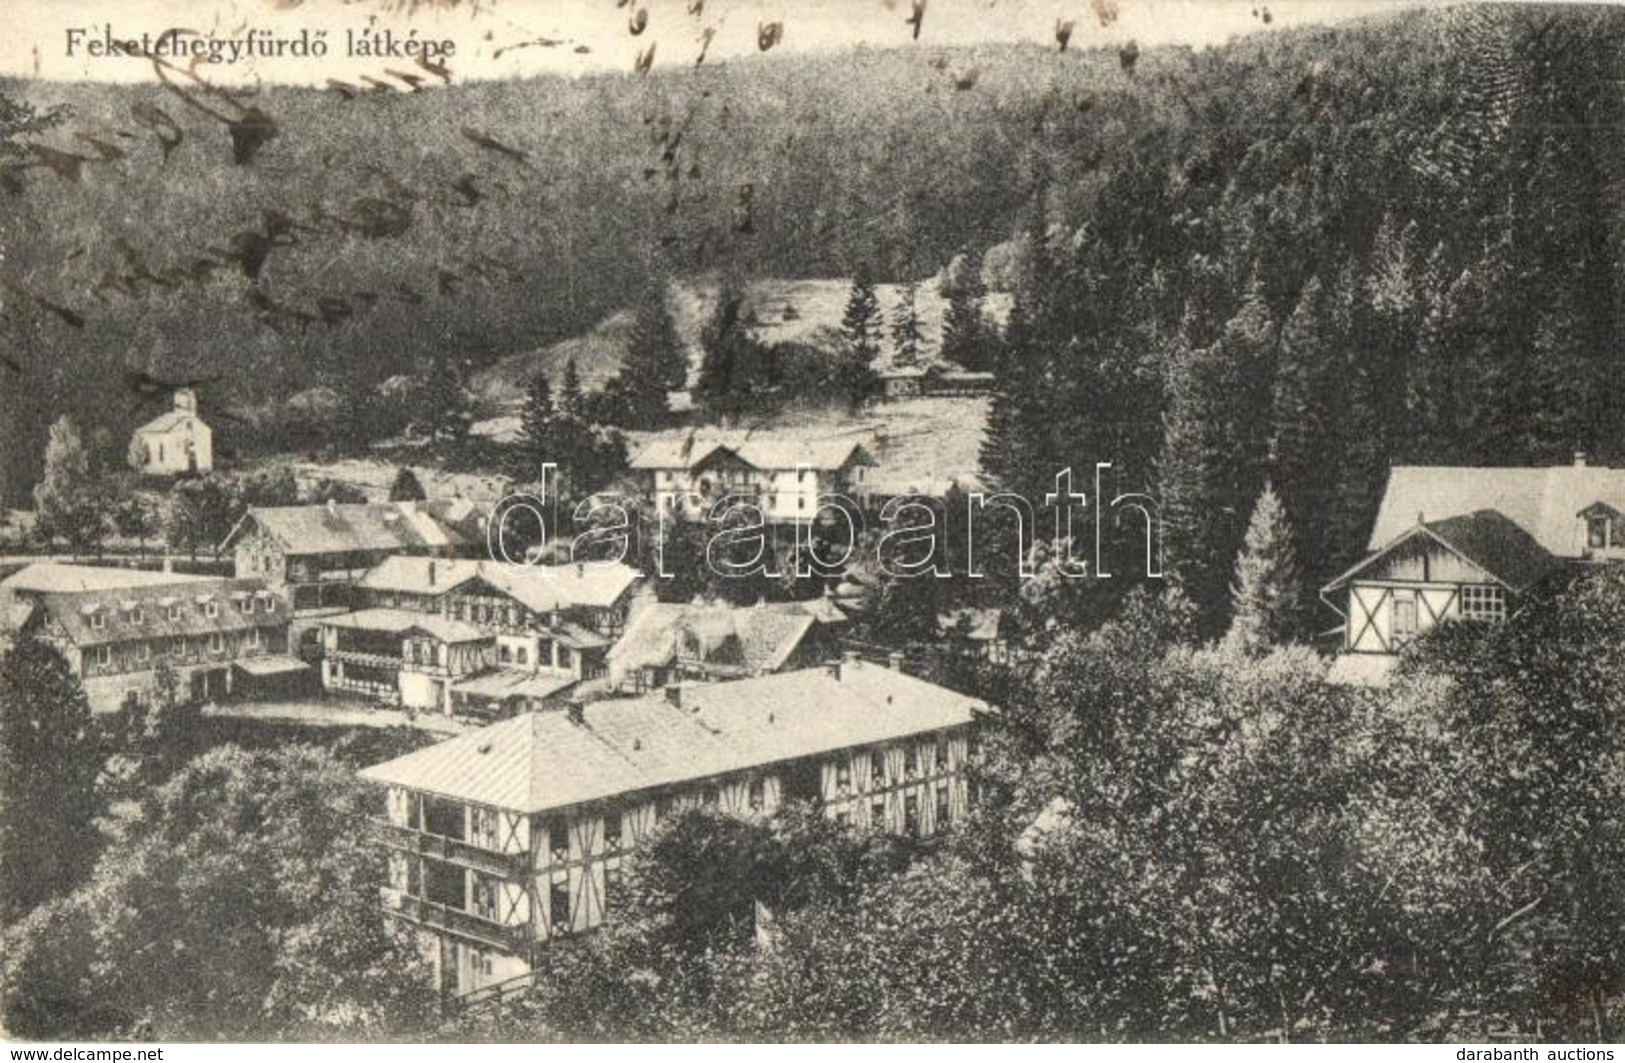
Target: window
x=144 y=650
x=138 y=615
x=877 y=767
x=211 y=609
x=943 y=813
x=522 y=655
x=178 y=647
x=758 y=795
x=266 y=604
x=558 y=907
x=504 y=654
x=1483 y=603
x=911 y=760
x=801 y=476
x=942 y=753
x=216 y=643
x=104 y=655
x=612 y=828
x=558 y=836
x=251 y=637
x=911 y=816
x=843 y=774
x=801 y=503
x=485 y=897
x=98 y=620
x=1404 y=616
x=174 y=612
x=1598 y=532
x=245 y=605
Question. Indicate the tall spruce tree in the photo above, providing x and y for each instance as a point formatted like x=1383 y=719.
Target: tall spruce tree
x=905 y=326
x=536 y=444
x=1213 y=456
x=965 y=336
x=862 y=327
x=655 y=361
x=1299 y=451
x=1267 y=594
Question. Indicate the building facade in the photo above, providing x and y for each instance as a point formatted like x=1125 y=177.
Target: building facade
x=517 y=834
x=221 y=638
x=784 y=478
x=1454 y=544
x=175 y=442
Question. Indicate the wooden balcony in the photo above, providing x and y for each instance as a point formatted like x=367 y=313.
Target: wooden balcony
x=442 y=917
x=511 y=866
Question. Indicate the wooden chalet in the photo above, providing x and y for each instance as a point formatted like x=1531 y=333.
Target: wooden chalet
x=315 y=554
x=516 y=834
x=1468 y=544
x=545 y=627
x=673 y=643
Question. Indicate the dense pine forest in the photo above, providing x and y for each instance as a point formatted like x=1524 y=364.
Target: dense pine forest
x=1297 y=258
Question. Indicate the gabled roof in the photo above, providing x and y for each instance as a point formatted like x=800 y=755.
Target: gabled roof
x=543 y=761
x=51 y=576
x=334 y=529
x=978 y=625
x=1486 y=538
x=756 y=639
x=403 y=621
x=168 y=422
x=540 y=588
x=76 y=611
x=763 y=452
x=1544 y=502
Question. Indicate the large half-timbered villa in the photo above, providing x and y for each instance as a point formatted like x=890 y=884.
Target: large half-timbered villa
x=515 y=834
x=1469 y=544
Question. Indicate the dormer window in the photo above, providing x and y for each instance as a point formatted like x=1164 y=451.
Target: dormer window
x=98 y=620
x=174 y=612
x=138 y=615
x=211 y=609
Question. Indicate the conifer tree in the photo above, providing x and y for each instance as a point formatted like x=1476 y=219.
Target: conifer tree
x=1213 y=455
x=536 y=443
x=1299 y=456
x=861 y=330
x=655 y=361
x=1267 y=594
x=965 y=338
x=905 y=326
x=406 y=487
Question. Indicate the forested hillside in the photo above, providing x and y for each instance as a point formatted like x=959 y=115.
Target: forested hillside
x=1300 y=257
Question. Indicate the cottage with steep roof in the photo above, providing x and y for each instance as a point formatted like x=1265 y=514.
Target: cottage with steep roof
x=673 y=643
x=514 y=835
x=175 y=442
x=1468 y=544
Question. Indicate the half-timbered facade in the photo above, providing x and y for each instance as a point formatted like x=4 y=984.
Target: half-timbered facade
x=549 y=627
x=508 y=837
x=1468 y=544
x=219 y=637
x=401 y=657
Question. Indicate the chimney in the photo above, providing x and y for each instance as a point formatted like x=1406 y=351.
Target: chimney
x=186 y=400
x=431 y=572
x=894 y=660
x=1579 y=459
x=332 y=507
x=844 y=665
